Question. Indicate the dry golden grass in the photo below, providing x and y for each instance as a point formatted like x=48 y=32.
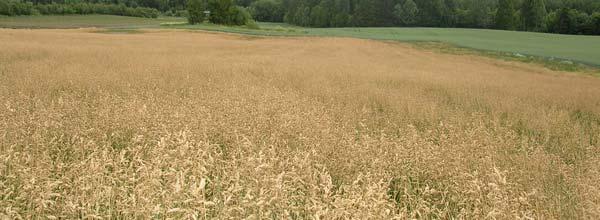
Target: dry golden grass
x=173 y=124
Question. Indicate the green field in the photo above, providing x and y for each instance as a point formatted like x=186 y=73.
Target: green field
x=82 y=21
x=582 y=49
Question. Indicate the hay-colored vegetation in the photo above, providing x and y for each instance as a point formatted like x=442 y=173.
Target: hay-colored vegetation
x=173 y=124
x=543 y=46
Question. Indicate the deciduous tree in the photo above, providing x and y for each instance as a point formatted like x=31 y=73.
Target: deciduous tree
x=407 y=12
x=506 y=17
x=196 y=11
x=533 y=13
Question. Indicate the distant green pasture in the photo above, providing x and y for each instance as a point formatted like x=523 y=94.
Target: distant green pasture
x=583 y=49
x=81 y=21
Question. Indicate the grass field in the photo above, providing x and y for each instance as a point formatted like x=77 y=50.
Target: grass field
x=82 y=21
x=179 y=124
x=583 y=49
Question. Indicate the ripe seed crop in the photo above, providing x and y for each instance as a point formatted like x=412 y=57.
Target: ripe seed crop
x=175 y=124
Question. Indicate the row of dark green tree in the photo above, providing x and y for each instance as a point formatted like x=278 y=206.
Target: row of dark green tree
x=557 y=16
x=220 y=12
x=17 y=7
x=161 y=5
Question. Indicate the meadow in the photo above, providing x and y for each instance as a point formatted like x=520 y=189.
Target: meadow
x=83 y=21
x=556 y=51
x=581 y=49
x=178 y=124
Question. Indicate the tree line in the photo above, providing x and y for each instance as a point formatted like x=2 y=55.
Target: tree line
x=221 y=12
x=556 y=16
x=17 y=7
